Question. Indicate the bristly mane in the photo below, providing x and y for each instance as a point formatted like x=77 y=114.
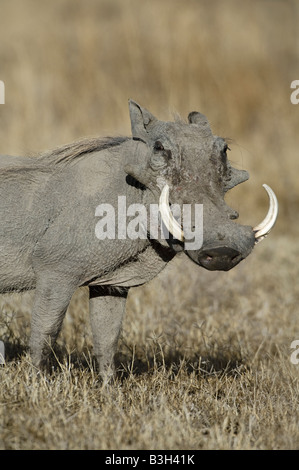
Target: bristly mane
x=70 y=152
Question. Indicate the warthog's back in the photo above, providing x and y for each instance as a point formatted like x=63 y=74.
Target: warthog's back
x=9 y=160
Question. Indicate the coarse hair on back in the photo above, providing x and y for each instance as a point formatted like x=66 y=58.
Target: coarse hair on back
x=71 y=152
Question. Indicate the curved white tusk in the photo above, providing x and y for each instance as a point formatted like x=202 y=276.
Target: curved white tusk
x=262 y=230
x=169 y=221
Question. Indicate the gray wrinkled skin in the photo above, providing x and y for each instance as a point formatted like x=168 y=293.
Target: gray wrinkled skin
x=47 y=230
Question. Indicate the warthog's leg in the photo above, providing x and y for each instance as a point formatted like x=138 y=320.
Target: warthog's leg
x=52 y=297
x=107 y=309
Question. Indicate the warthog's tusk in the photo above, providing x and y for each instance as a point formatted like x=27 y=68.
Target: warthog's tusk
x=262 y=230
x=169 y=221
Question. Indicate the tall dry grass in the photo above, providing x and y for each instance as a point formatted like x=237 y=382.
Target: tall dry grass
x=204 y=359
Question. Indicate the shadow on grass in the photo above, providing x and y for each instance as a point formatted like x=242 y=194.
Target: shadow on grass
x=14 y=350
x=224 y=361
x=173 y=364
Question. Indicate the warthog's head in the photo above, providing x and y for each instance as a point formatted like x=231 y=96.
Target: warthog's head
x=188 y=165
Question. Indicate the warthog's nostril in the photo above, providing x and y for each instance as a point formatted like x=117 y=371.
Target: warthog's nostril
x=209 y=257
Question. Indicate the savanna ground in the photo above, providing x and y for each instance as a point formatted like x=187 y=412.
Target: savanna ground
x=204 y=358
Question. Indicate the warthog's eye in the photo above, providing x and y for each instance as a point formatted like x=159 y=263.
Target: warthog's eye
x=223 y=153
x=225 y=148
x=158 y=146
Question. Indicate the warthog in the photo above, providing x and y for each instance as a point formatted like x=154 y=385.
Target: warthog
x=51 y=207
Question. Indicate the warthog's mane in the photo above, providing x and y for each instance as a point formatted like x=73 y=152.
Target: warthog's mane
x=48 y=162
x=71 y=152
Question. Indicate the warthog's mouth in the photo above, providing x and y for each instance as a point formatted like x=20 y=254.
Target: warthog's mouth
x=219 y=256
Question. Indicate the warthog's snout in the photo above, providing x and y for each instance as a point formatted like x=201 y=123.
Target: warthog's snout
x=237 y=240
x=219 y=258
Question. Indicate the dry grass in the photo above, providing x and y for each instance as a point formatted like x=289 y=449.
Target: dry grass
x=209 y=369
x=204 y=358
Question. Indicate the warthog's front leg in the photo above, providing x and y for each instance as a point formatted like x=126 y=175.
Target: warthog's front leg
x=52 y=297
x=107 y=307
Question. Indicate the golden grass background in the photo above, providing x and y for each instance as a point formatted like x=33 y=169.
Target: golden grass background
x=204 y=357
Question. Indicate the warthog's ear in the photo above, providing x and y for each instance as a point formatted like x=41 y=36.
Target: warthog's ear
x=141 y=118
x=200 y=119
